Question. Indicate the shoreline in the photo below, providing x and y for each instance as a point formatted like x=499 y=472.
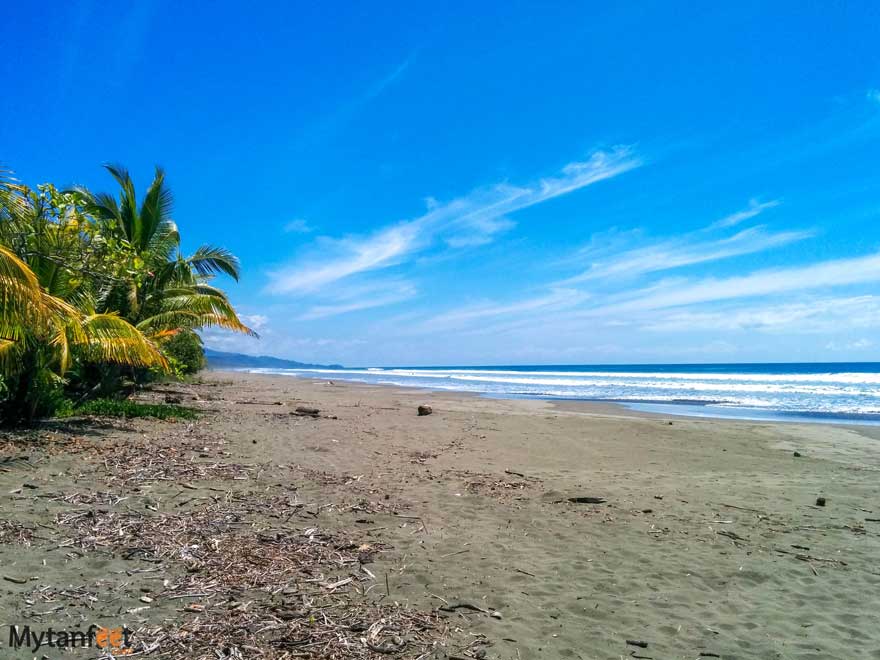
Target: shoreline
x=705 y=537
x=686 y=408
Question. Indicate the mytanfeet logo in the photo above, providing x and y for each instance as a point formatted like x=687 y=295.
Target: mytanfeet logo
x=112 y=640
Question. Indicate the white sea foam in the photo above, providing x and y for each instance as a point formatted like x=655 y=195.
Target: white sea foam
x=850 y=393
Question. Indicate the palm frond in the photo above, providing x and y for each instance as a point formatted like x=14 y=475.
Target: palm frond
x=109 y=338
x=155 y=211
x=211 y=260
x=166 y=323
x=128 y=211
x=21 y=300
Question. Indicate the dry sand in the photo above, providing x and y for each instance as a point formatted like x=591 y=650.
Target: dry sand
x=709 y=542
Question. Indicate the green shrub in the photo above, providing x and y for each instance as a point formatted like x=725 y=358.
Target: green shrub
x=184 y=352
x=129 y=409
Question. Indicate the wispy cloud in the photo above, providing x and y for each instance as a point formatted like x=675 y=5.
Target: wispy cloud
x=336 y=120
x=857 y=345
x=689 y=249
x=754 y=208
x=470 y=220
x=832 y=273
x=298 y=226
x=255 y=321
x=382 y=84
x=556 y=300
x=381 y=250
x=367 y=296
x=812 y=316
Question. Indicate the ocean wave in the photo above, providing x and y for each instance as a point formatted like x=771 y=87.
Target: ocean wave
x=829 y=377
x=815 y=393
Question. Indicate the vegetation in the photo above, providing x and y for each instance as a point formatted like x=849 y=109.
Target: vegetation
x=125 y=408
x=95 y=295
x=185 y=353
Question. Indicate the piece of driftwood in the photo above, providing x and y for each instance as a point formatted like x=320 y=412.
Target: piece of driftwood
x=731 y=535
x=586 y=499
x=306 y=411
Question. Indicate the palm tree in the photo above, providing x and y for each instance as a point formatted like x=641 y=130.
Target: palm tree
x=172 y=291
x=48 y=320
x=42 y=335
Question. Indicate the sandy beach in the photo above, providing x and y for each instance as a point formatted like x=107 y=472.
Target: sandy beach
x=506 y=529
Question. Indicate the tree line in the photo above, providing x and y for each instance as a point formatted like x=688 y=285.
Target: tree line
x=96 y=295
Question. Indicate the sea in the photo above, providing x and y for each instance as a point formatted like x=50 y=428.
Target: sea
x=796 y=392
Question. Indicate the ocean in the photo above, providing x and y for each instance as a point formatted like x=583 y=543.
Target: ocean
x=811 y=392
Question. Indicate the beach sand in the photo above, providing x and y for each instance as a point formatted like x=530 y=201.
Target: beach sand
x=709 y=541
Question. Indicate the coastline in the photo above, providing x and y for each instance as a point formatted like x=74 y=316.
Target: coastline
x=708 y=540
x=690 y=408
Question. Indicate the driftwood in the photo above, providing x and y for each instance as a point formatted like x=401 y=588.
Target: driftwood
x=305 y=411
x=468 y=606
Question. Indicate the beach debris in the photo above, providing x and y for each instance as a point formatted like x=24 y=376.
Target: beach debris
x=743 y=508
x=820 y=501
x=173 y=399
x=495 y=614
x=420 y=457
x=515 y=474
x=227 y=550
x=636 y=642
x=731 y=535
x=13 y=532
x=797 y=454
x=587 y=499
x=425 y=410
x=810 y=558
x=16 y=580
x=499 y=488
x=306 y=411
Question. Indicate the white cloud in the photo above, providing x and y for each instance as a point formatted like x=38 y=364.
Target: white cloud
x=838 y=272
x=255 y=321
x=812 y=316
x=754 y=208
x=556 y=300
x=687 y=250
x=297 y=226
x=367 y=296
x=857 y=345
x=470 y=220
x=381 y=250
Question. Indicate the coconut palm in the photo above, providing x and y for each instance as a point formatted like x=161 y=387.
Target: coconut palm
x=48 y=319
x=171 y=291
x=41 y=336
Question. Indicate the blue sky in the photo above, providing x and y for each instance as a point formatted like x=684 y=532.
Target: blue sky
x=415 y=184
